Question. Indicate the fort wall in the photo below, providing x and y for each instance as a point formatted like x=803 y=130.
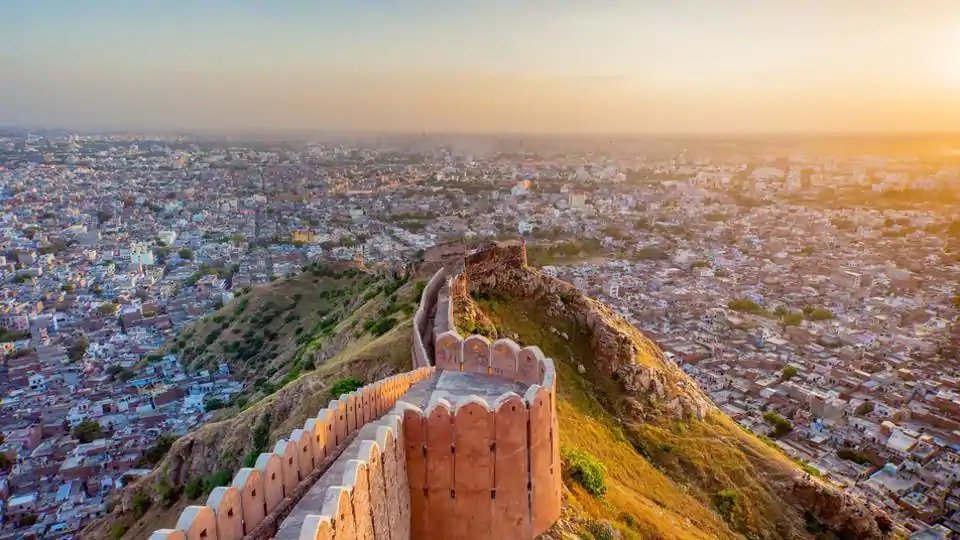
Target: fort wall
x=473 y=468
x=458 y=468
x=258 y=499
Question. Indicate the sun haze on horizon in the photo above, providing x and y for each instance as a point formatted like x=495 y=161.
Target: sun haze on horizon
x=581 y=67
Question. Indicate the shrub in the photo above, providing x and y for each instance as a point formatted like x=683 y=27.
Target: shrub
x=600 y=530
x=587 y=470
x=812 y=524
x=118 y=530
x=380 y=327
x=213 y=404
x=217 y=479
x=781 y=426
x=155 y=453
x=345 y=386
x=140 y=504
x=726 y=502
x=168 y=493
x=194 y=488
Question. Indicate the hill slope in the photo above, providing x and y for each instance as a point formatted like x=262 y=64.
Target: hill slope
x=676 y=466
x=348 y=338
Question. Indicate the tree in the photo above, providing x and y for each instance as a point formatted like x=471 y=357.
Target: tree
x=789 y=372
x=78 y=349
x=792 y=318
x=185 y=253
x=108 y=309
x=745 y=305
x=781 y=426
x=87 y=431
x=817 y=314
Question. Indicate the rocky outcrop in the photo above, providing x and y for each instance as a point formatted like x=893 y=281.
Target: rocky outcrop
x=838 y=511
x=655 y=384
x=655 y=387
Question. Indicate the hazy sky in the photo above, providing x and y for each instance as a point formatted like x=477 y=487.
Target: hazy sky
x=488 y=66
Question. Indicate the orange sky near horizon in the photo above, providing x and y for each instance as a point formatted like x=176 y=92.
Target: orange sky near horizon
x=574 y=67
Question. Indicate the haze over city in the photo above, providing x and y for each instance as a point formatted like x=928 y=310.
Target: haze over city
x=575 y=67
x=424 y=270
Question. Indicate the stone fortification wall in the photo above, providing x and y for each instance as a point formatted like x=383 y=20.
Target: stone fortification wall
x=259 y=497
x=372 y=498
x=483 y=470
x=422 y=335
x=471 y=469
x=468 y=470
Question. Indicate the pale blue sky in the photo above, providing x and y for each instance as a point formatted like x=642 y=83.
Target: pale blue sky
x=656 y=66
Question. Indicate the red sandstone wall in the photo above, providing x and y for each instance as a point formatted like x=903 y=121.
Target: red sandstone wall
x=260 y=498
x=483 y=471
x=477 y=472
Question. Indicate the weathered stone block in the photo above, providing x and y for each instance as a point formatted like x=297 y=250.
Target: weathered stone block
x=249 y=483
x=198 y=523
x=227 y=507
x=449 y=351
x=270 y=466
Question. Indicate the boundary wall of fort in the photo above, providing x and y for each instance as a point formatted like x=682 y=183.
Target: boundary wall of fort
x=460 y=467
x=474 y=469
x=256 y=502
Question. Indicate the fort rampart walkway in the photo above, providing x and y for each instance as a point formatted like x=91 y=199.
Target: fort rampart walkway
x=464 y=446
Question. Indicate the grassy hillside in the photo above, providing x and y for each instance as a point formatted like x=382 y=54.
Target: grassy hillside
x=355 y=325
x=272 y=333
x=664 y=479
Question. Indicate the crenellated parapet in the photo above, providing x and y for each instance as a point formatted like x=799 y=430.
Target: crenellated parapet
x=475 y=467
x=464 y=446
x=484 y=470
x=259 y=497
x=469 y=468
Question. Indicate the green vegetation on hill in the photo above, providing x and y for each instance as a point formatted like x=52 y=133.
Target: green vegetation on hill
x=334 y=305
x=274 y=333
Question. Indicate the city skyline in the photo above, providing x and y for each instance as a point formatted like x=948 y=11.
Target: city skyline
x=840 y=67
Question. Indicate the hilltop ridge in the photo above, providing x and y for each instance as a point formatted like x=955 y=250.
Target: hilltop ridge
x=675 y=466
x=344 y=347
x=648 y=423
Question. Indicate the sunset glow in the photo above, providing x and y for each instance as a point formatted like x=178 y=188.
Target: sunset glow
x=843 y=65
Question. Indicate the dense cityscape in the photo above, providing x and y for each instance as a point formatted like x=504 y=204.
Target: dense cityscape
x=813 y=296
